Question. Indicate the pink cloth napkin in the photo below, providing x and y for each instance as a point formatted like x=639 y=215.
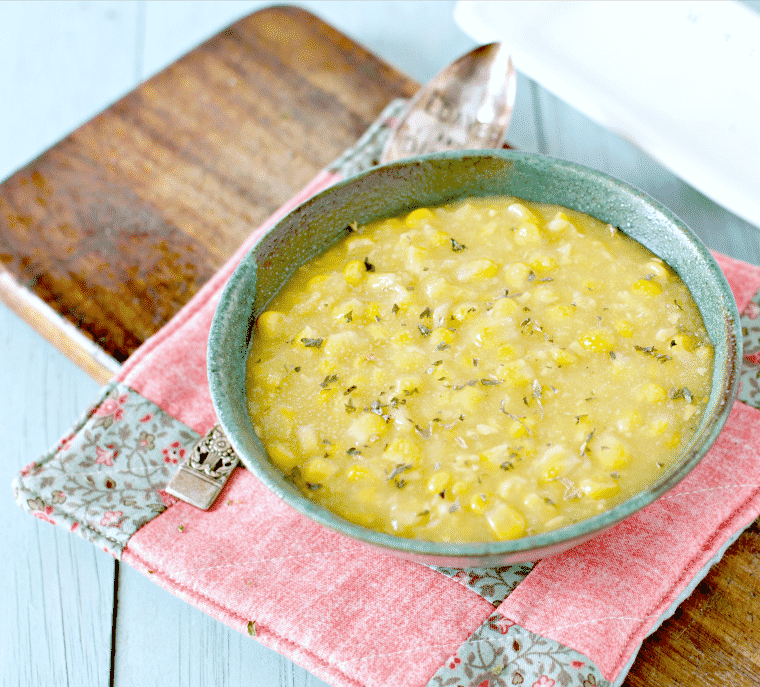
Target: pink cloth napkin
x=354 y=617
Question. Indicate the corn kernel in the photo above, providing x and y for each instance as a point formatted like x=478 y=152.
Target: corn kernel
x=282 y=457
x=470 y=398
x=505 y=521
x=327 y=366
x=516 y=372
x=624 y=328
x=372 y=312
x=477 y=269
x=657 y=268
x=361 y=516
x=379 y=377
x=537 y=508
x=441 y=289
x=317 y=470
x=651 y=392
x=504 y=307
x=544 y=293
x=592 y=285
x=403 y=451
x=348 y=311
x=438 y=482
x=646 y=287
x=486 y=336
x=415 y=256
x=602 y=488
x=417 y=216
x=478 y=503
x=598 y=340
x=509 y=352
x=561 y=311
x=683 y=342
x=459 y=489
x=269 y=379
x=527 y=235
x=516 y=274
x=408 y=358
x=307 y=438
x=521 y=212
x=357 y=472
x=563 y=357
x=271 y=324
x=464 y=311
x=658 y=427
x=436 y=237
x=441 y=336
x=610 y=453
x=368 y=428
x=341 y=344
x=401 y=338
x=559 y=223
x=325 y=395
x=523 y=428
x=555 y=462
x=496 y=455
x=543 y=263
x=354 y=272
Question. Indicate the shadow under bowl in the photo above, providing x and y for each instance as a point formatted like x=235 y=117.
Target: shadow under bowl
x=432 y=180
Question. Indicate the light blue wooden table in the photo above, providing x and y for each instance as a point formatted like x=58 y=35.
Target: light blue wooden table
x=69 y=615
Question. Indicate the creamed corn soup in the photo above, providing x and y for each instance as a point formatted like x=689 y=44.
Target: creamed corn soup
x=481 y=371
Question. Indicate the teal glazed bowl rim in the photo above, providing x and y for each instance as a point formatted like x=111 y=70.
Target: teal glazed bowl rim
x=434 y=180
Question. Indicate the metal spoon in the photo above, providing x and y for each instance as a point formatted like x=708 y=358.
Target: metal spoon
x=467 y=105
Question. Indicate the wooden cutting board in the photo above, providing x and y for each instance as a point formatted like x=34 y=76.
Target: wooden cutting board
x=106 y=235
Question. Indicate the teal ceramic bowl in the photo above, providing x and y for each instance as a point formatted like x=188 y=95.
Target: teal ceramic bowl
x=433 y=180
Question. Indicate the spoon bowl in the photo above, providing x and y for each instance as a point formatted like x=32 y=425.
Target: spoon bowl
x=467 y=105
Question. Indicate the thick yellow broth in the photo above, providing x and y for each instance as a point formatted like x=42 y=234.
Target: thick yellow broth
x=481 y=371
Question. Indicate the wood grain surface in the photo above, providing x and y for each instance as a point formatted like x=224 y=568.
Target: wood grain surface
x=105 y=236
x=117 y=226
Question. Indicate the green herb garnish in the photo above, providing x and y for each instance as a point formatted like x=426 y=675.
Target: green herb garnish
x=312 y=343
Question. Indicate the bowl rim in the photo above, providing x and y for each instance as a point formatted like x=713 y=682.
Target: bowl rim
x=231 y=420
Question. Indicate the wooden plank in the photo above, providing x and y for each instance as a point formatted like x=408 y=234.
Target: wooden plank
x=56 y=598
x=118 y=225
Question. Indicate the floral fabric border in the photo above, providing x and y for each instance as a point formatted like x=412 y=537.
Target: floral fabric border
x=493 y=584
x=502 y=654
x=749 y=377
x=106 y=478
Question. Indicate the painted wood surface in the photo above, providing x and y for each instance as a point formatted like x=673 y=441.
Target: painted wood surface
x=68 y=613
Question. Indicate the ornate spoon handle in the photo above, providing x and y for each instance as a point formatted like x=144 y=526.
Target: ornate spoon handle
x=200 y=480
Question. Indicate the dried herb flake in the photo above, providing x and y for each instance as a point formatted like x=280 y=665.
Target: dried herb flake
x=312 y=343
